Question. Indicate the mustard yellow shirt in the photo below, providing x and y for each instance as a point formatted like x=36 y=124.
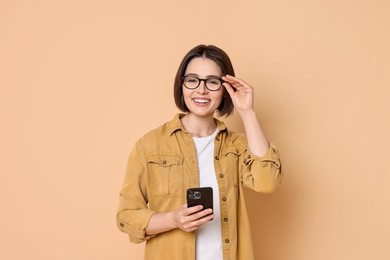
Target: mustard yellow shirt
x=163 y=165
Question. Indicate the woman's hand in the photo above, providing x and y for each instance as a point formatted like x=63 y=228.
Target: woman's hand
x=240 y=92
x=187 y=219
x=190 y=219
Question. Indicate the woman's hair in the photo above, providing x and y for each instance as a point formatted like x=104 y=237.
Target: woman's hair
x=223 y=61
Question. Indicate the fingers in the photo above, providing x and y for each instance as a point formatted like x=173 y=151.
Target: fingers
x=198 y=219
x=199 y=222
x=195 y=213
x=229 y=88
x=192 y=218
x=200 y=214
x=191 y=210
x=232 y=79
x=236 y=83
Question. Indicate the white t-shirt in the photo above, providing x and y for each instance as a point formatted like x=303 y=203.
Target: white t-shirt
x=209 y=235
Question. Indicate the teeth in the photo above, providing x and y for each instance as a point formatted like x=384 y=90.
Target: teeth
x=201 y=100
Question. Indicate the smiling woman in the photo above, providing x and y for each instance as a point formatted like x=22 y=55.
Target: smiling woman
x=195 y=149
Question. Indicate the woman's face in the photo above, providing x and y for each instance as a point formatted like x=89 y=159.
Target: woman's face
x=201 y=101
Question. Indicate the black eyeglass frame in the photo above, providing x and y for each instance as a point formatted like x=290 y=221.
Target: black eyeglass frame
x=205 y=82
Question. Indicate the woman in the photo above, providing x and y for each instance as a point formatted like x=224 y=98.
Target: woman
x=195 y=149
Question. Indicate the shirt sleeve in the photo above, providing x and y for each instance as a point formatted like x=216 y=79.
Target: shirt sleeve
x=133 y=214
x=262 y=174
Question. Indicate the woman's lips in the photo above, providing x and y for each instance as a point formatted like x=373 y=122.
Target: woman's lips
x=201 y=101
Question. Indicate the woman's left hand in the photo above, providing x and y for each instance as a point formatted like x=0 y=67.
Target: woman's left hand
x=240 y=92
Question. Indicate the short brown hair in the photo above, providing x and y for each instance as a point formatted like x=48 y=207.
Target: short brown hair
x=218 y=56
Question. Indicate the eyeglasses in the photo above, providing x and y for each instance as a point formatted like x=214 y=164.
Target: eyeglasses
x=192 y=82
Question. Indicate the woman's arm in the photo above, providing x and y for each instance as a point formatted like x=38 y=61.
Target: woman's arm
x=262 y=172
x=242 y=97
x=187 y=219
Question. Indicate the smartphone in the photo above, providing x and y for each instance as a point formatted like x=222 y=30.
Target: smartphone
x=200 y=196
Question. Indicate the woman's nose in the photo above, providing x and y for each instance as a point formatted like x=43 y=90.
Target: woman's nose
x=202 y=87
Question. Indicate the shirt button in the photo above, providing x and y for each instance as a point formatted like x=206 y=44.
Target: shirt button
x=220 y=175
x=226 y=219
x=216 y=157
x=164 y=162
x=224 y=199
x=227 y=241
x=249 y=156
x=217 y=138
x=121 y=224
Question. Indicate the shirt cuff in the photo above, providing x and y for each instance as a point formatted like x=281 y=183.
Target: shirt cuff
x=271 y=155
x=135 y=229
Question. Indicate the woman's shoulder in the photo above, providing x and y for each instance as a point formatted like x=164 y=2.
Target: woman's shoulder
x=235 y=139
x=161 y=132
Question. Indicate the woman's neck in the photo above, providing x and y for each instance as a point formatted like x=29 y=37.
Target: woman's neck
x=198 y=126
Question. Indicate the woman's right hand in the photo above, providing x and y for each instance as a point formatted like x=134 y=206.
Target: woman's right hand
x=187 y=219
x=190 y=219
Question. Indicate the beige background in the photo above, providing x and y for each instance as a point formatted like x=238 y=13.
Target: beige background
x=81 y=81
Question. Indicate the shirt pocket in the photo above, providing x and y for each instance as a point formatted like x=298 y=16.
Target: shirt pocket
x=166 y=174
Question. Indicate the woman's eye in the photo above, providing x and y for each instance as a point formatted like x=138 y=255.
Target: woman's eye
x=214 y=82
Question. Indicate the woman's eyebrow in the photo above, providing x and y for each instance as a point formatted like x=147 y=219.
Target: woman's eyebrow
x=208 y=76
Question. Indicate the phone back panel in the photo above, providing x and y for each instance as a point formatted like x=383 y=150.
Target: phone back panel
x=200 y=196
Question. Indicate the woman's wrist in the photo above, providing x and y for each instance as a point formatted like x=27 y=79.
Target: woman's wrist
x=161 y=222
x=248 y=115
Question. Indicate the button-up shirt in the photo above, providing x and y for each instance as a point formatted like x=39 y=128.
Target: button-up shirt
x=163 y=165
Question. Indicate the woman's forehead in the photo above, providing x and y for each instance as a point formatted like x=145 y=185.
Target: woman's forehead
x=203 y=66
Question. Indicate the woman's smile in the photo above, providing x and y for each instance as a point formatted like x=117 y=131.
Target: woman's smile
x=201 y=101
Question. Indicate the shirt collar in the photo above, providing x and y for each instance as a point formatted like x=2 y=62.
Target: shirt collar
x=175 y=124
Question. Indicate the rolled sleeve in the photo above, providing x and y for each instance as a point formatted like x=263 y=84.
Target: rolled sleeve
x=134 y=223
x=262 y=174
x=133 y=214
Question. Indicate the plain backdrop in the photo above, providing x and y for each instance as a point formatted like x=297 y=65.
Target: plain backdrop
x=81 y=81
